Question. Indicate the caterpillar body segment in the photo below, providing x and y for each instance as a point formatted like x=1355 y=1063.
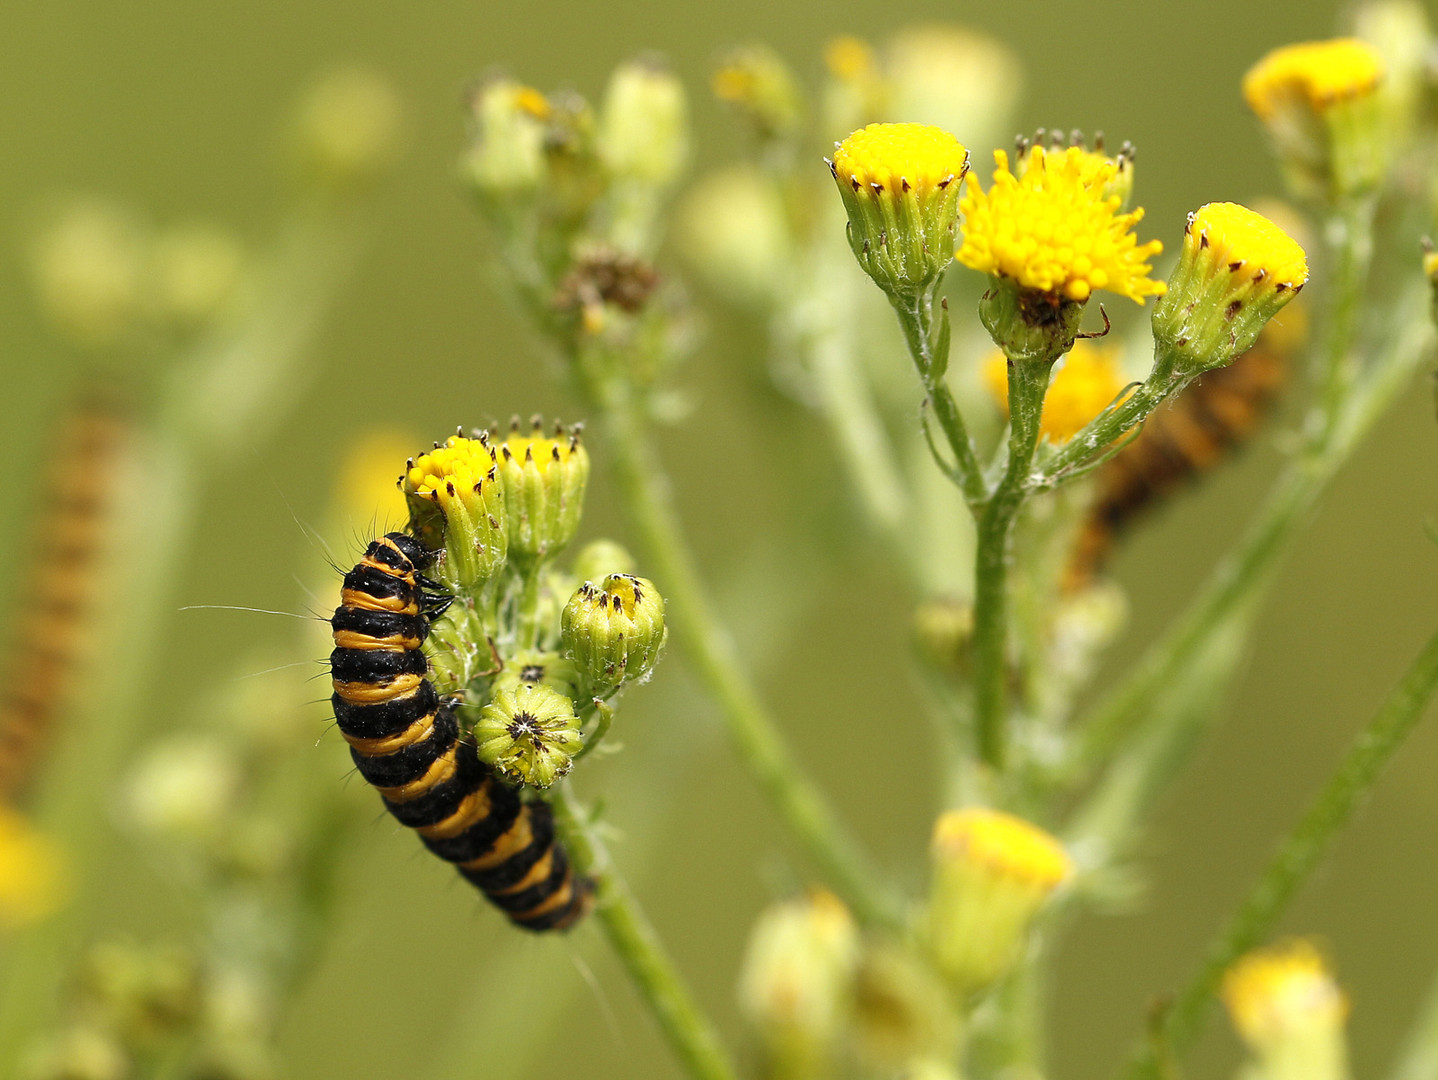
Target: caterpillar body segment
x=406 y=741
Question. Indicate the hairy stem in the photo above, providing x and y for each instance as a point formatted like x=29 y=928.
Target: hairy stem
x=690 y=1033
x=1299 y=854
x=755 y=737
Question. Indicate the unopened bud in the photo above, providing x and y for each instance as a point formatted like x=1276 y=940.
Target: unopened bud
x=901 y=1008
x=795 y=982
x=529 y=734
x=89 y=273
x=198 y=272
x=185 y=789
x=614 y=631
x=733 y=231
x=756 y=81
x=644 y=128
x=348 y=127
x=506 y=155
x=955 y=78
x=1235 y=272
x=992 y=874
x=544 y=481
x=1290 y=1012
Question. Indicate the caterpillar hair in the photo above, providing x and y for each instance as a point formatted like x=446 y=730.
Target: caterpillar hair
x=405 y=740
x=1193 y=434
x=50 y=631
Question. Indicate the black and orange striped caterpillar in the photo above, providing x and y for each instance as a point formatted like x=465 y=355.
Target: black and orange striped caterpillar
x=49 y=635
x=1189 y=436
x=406 y=741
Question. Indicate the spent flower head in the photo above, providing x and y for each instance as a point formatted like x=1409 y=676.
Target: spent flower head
x=456 y=502
x=1236 y=271
x=528 y=734
x=900 y=186
x=538 y=668
x=1319 y=101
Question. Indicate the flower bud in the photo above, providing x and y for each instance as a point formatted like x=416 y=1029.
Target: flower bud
x=944 y=632
x=901 y=1009
x=89 y=273
x=529 y=734
x=456 y=502
x=1236 y=271
x=85 y=1051
x=348 y=127
x=600 y=558
x=795 y=981
x=1290 y=1012
x=1319 y=101
x=198 y=272
x=32 y=873
x=644 y=127
x=733 y=232
x=544 y=481
x=614 y=631
x=900 y=186
x=992 y=874
x=186 y=789
x=506 y=155
x=530 y=666
x=756 y=81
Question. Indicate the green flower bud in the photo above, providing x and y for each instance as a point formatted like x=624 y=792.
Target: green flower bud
x=538 y=668
x=529 y=735
x=1236 y=271
x=544 y=481
x=614 y=631
x=198 y=271
x=1290 y=1012
x=85 y=1051
x=733 y=232
x=600 y=558
x=900 y=185
x=796 y=979
x=186 y=789
x=992 y=874
x=89 y=273
x=456 y=502
x=644 y=129
x=506 y=155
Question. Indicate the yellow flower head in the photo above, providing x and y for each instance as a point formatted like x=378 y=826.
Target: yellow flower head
x=850 y=59
x=365 y=489
x=1054 y=228
x=756 y=81
x=456 y=501
x=31 y=872
x=1274 y=993
x=1086 y=382
x=1236 y=271
x=1002 y=845
x=900 y=186
x=1318 y=73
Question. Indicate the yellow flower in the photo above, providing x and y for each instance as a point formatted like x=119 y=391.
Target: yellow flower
x=850 y=58
x=1320 y=73
x=456 y=501
x=1054 y=229
x=899 y=183
x=1290 y=1011
x=365 y=490
x=1086 y=382
x=32 y=880
x=992 y=874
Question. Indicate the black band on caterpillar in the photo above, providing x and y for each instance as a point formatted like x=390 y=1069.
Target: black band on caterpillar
x=405 y=741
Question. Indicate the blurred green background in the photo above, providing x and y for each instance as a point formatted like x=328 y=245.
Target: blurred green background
x=174 y=107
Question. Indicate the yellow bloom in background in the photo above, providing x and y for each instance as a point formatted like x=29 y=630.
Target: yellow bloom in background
x=1086 y=382
x=1053 y=228
x=1321 y=73
x=365 y=492
x=32 y=875
x=1320 y=104
x=1290 y=1011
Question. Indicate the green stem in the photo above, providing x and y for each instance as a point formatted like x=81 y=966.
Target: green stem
x=690 y=1033
x=1350 y=240
x=1419 y=1060
x=928 y=342
x=605 y=713
x=1300 y=853
x=1028 y=381
x=755 y=737
x=528 y=630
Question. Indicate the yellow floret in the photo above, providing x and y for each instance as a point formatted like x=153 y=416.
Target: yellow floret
x=1240 y=235
x=900 y=157
x=1271 y=992
x=543 y=451
x=1322 y=73
x=461 y=464
x=1055 y=230
x=1087 y=382
x=1004 y=845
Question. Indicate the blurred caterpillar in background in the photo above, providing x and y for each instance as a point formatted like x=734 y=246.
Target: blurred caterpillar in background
x=407 y=743
x=69 y=540
x=1187 y=437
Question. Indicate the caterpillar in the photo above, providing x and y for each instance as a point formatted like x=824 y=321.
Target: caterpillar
x=1189 y=436
x=50 y=631
x=406 y=741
